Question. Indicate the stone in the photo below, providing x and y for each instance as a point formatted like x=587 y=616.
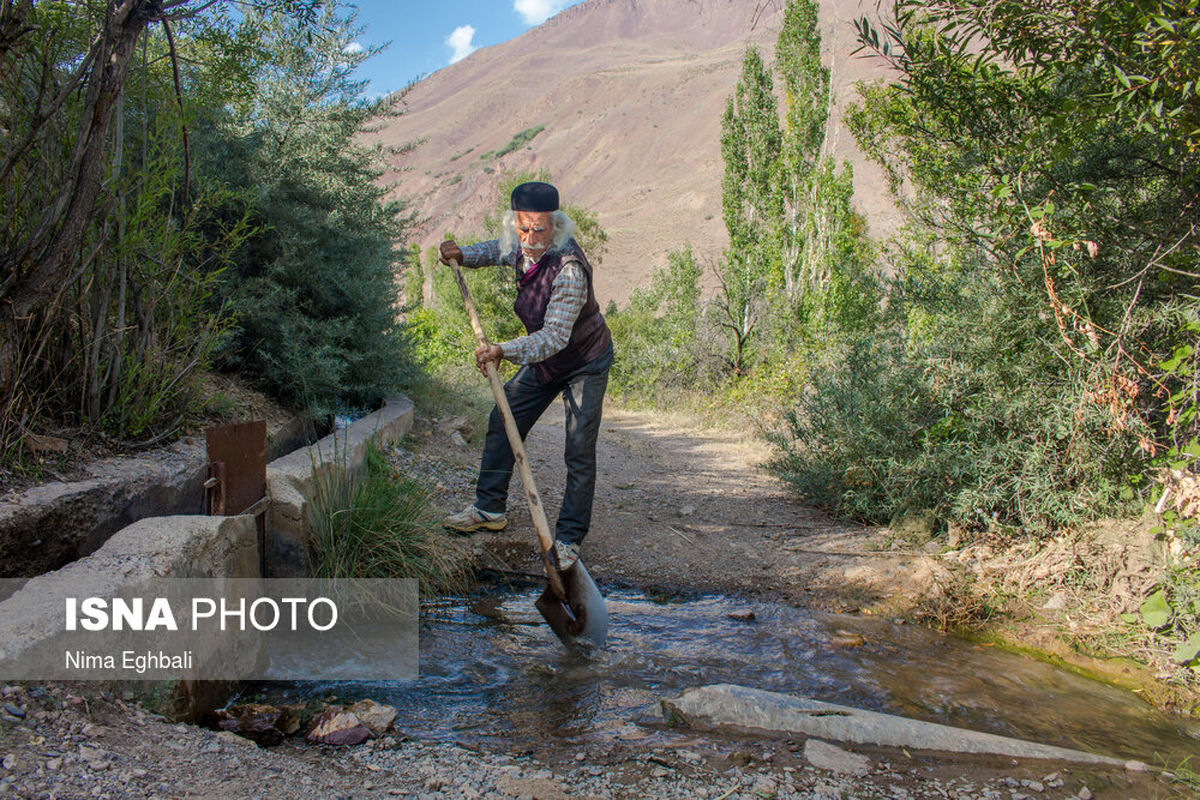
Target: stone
x=1084 y=793
x=765 y=787
x=741 y=616
x=823 y=755
x=537 y=788
x=843 y=638
x=229 y=737
x=338 y=726
x=255 y=722
x=457 y=424
x=1057 y=602
x=723 y=705
x=377 y=717
x=457 y=439
x=9 y=762
x=292 y=718
x=1136 y=766
x=93 y=756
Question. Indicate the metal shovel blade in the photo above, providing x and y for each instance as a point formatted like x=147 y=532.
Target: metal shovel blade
x=583 y=616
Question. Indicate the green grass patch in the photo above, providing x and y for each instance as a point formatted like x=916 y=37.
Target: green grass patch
x=378 y=523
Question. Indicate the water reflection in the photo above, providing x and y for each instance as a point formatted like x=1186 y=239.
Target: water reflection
x=490 y=669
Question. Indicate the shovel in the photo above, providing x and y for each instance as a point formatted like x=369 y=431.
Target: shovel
x=571 y=603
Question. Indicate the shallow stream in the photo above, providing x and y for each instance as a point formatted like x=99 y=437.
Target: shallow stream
x=492 y=672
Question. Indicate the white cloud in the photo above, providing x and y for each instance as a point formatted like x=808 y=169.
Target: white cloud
x=535 y=12
x=353 y=49
x=460 y=42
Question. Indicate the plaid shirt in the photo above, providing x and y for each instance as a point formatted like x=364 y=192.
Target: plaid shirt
x=567 y=296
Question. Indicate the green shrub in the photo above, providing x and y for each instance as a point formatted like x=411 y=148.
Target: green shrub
x=957 y=404
x=314 y=289
x=520 y=140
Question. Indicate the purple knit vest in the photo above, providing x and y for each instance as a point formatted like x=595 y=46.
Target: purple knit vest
x=589 y=337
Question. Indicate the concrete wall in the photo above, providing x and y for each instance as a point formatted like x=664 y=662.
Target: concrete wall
x=136 y=561
x=56 y=523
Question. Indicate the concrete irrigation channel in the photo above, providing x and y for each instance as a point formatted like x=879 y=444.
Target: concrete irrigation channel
x=57 y=520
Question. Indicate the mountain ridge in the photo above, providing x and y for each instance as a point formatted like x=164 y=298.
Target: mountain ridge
x=630 y=94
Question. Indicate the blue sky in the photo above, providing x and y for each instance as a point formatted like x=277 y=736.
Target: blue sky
x=427 y=35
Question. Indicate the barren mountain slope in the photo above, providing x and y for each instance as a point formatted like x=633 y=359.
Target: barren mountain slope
x=630 y=93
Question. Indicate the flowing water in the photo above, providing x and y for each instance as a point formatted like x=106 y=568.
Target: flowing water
x=491 y=670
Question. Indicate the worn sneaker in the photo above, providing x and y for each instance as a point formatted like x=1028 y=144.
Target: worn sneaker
x=565 y=555
x=471 y=519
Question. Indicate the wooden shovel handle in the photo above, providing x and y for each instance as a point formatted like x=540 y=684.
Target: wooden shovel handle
x=540 y=524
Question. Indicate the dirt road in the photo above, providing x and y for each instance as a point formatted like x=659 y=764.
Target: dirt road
x=682 y=508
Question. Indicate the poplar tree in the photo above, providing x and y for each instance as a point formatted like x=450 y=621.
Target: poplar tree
x=806 y=112
x=750 y=145
x=798 y=255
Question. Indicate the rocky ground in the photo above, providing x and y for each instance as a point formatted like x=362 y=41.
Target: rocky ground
x=677 y=508
x=60 y=745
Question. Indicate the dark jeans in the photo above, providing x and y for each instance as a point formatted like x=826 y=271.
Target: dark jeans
x=583 y=398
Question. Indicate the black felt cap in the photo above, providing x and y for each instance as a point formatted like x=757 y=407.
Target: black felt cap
x=535 y=196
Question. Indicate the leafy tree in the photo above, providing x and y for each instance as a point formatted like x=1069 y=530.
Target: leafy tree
x=751 y=205
x=1045 y=275
x=798 y=250
x=315 y=290
x=675 y=292
x=1074 y=132
x=110 y=238
x=806 y=111
x=660 y=334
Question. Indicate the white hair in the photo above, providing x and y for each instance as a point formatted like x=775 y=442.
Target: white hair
x=562 y=229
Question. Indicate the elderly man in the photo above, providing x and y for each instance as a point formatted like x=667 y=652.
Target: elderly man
x=567 y=351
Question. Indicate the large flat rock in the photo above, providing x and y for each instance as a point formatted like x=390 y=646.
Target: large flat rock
x=743 y=707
